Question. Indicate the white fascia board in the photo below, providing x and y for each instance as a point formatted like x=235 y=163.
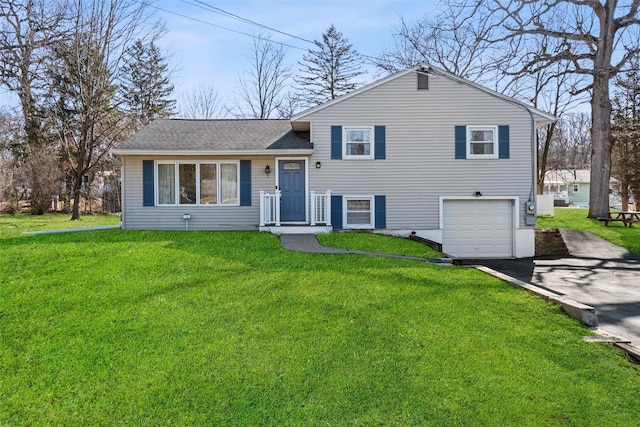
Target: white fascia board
x=125 y=152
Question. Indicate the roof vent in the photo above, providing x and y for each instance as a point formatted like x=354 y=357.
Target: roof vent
x=423 y=80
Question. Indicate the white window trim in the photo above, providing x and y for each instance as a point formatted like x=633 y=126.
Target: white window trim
x=495 y=142
x=346 y=225
x=177 y=164
x=371 y=143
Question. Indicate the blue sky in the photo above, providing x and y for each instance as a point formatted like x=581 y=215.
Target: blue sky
x=202 y=53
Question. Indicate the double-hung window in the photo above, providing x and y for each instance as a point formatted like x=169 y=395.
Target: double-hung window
x=197 y=183
x=482 y=142
x=358 y=143
x=358 y=211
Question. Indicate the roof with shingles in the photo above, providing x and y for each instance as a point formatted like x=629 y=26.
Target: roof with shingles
x=216 y=135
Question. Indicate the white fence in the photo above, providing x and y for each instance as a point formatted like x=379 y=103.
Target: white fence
x=319 y=209
x=270 y=208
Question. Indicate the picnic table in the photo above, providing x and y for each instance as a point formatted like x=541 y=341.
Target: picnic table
x=627 y=218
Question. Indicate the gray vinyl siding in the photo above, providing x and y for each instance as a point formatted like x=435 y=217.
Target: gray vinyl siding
x=420 y=164
x=137 y=216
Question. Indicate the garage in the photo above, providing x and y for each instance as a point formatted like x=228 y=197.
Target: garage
x=477 y=228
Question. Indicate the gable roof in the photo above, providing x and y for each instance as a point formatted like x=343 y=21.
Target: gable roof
x=540 y=117
x=220 y=137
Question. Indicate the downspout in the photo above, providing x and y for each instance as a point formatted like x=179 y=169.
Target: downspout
x=122 y=190
x=534 y=156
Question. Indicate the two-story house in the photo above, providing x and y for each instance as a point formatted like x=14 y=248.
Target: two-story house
x=418 y=151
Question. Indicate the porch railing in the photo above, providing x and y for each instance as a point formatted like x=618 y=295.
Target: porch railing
x=319 y=209
x=270 y=208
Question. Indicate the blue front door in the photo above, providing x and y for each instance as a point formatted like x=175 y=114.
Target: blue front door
x=291 y=179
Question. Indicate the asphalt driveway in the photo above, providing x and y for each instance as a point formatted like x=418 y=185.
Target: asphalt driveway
x=596 y=273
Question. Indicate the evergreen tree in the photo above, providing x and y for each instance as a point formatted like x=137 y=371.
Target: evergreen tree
x=144 y=86
x=329 y=70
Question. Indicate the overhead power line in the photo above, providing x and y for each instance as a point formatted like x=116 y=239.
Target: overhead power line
x=205 y=5
x=222 y=27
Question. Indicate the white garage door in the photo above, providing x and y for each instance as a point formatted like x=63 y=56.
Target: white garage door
x=477 y=228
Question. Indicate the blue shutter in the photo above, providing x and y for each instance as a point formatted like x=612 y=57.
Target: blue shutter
x=336 y=142
x=381 y=212
x=380 y=142
x=503 y=142
x=148 y=195
x=245 y=182
x=336 y=212
x=461 y=142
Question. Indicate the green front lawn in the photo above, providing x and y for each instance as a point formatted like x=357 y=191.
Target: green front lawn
x=228 y=328
x=369 y=242
x=576 y=219
x=13 y=225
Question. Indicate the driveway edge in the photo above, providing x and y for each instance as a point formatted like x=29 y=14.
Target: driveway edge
x=582 y=312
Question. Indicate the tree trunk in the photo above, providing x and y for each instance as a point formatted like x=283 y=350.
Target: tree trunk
x=77 y=181
x=544 y=156
x=75 y=213
x=601 y=137
x=601 y=150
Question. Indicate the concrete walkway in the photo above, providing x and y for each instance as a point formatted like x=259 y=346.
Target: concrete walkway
x=596 y=273
x=309 y=243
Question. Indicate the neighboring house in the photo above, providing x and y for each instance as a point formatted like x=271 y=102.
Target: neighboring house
x=570 y=187
x=420 y=150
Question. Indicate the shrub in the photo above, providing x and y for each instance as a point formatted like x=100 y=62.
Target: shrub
x=43 y=175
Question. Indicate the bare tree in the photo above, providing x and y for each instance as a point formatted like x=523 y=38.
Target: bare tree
x=260 y=89
x=8 y=191
x=28 y=30
x=290 y=104
x=452 y=40
x=582 y=34
x=84 y=77
x=201 y=102
x=572 y=144
x=552 y=92
x=626 y=132
x=11 y=136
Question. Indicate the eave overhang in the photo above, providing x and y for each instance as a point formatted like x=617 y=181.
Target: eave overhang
x=182 y=153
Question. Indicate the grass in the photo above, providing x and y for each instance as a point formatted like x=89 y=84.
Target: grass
x=13 y=225
x=377 y=243
x=121 y=327
x=576 y=219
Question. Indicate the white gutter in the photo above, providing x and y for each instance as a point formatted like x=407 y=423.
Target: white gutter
x=140 y=152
